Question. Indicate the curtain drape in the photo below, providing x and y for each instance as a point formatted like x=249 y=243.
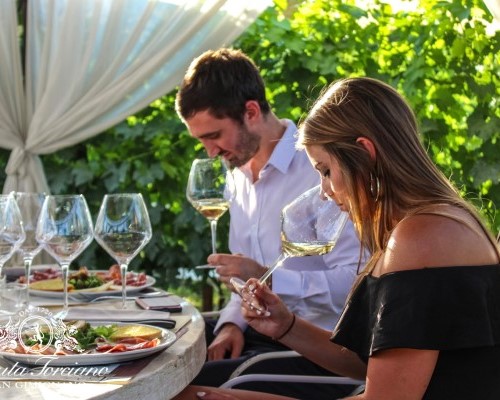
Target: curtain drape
x=91 y=63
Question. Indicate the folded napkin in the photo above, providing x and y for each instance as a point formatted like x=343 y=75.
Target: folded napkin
x=38 y=301
x=116 y=315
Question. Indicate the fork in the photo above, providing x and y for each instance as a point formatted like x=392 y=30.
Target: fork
x=101 y=298
x=90 y=299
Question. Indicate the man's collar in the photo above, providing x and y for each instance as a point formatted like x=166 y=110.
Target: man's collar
x=283 y=153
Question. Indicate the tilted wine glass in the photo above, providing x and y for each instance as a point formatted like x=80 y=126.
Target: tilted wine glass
x=64 y=229
x=310 y=226
x=209 y=190
x=11 y=230
x=122 y=229
x=30 y=205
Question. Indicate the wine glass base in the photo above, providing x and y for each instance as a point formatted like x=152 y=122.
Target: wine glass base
x=206 y=266
x=5 y=316
x=60 y=315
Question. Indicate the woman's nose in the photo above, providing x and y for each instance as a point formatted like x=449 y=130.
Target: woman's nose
x=326 y=190
x=323 y=194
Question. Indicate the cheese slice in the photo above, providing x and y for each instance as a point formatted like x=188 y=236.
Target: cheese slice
x=53 y=285
x=135 y=331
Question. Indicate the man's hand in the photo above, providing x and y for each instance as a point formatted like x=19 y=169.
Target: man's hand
x=230 y=341
x=229 y=265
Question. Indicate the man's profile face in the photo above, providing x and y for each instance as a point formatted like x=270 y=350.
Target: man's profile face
x=224 y=137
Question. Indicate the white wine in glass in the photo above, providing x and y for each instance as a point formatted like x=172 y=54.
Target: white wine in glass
x=209 y=190
x=65 y=230
x=310 y=226
x=122 y=229
x=30 y=205
x=211 y=209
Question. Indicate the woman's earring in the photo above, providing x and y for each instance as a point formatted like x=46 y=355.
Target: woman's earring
x=374 y=187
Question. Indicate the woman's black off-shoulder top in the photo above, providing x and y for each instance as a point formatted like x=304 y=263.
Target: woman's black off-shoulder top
x=452 y=309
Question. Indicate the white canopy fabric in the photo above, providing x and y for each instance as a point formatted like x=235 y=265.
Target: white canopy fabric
x=92 y=63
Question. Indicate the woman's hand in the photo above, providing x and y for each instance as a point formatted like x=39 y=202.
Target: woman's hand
x=215 y=394
x=277 y=318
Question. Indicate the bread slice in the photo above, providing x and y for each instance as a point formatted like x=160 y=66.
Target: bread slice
x=53 y=285
x=135 y=331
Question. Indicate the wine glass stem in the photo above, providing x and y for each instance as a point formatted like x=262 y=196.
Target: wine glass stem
x=123 y=271
x=278 y=263
x=213 y=228
x=64 y=271
x=3 y=280
x=27 y=273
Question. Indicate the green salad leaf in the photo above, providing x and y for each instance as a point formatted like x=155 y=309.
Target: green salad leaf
x=87 y=336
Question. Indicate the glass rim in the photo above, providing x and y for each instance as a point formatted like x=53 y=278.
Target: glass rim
x=64 y=196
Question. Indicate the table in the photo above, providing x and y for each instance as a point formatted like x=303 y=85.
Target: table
x=166 y=374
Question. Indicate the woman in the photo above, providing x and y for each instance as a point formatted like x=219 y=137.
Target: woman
x=423 y=319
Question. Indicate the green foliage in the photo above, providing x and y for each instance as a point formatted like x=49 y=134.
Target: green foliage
x=439 y=55
x=150 y=153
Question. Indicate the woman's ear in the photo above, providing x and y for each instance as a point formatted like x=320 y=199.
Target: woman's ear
x=369 y=146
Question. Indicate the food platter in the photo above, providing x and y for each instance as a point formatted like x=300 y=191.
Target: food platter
x=167 y=338
x=88 y=295
x=13 y=273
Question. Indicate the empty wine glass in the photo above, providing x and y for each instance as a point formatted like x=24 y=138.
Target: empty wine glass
x=209 y=190
x=11 y=230
x=30 y=205
x=64 y=229
x=123 y=228
x=310 y=226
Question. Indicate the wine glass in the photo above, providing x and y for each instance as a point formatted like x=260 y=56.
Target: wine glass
x=122 y=229
x=310 y=226
x=30 y=205
x=11 y=230
x=209 y=190
x=64 y=229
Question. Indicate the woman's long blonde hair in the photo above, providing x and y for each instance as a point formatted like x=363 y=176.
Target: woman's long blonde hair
x=400 y=181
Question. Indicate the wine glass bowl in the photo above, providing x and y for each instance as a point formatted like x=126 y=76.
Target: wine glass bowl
x=123 y=229
x=209 y=190
x=65 y=230
x=310 y=226
x=29 y=205
x=11 y=230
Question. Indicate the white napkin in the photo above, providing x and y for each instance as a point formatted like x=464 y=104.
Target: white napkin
x=115 y=315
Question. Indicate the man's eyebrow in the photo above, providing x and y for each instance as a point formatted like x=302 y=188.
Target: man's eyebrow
x=209 y=134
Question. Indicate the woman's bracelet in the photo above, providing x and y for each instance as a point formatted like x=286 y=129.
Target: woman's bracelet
x=288 y=329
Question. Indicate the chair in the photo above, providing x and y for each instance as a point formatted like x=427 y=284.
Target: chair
x=237 y=377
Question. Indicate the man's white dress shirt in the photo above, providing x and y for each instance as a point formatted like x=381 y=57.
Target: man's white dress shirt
x=313 y=287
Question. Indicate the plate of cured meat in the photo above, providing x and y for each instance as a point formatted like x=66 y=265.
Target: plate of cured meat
x=86 y=284
x=88 y=344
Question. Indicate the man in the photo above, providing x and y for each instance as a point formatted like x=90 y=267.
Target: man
x=223 y=104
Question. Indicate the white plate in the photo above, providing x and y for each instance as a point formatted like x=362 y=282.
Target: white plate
x=12 y=273
x=84 y=295
x=166 y=340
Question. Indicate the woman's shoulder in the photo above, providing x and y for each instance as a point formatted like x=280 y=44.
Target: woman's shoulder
x=437 y=239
